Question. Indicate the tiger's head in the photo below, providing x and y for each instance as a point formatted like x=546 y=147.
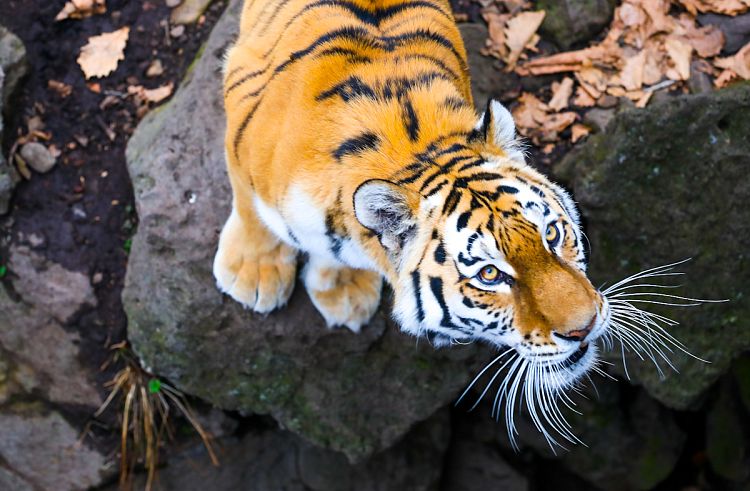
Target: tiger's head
x=485 y=248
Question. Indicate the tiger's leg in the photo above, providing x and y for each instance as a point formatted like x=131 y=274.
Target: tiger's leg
x=344 y=296
x=252 y=265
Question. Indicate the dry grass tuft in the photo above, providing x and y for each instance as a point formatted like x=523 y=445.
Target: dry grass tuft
x=146 y=402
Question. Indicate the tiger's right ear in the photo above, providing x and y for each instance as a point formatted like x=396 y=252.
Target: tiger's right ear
x=389 y=211
x=496 y=129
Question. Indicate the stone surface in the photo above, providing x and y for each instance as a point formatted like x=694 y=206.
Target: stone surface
x=40 y=450
x=487 y=80
x=42 y=355
x=6 y=181
x=189 y=11
x=631 y=443
x=572 y=21
x=727 y=436
x=473 y=465
x=278 y=460
x=685 y=161
x=356 y=393
x=13 y=63
x=38 y=157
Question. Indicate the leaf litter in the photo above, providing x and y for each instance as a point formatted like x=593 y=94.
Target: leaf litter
x=650 y=45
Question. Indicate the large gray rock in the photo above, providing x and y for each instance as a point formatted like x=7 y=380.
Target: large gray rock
x=572 y=21
x=42 y=352
x=13 y=68
x=356 y=393
x=270 y=459
x=666 y=183
x=40 y=450
x=487 y=80
x=12 y=62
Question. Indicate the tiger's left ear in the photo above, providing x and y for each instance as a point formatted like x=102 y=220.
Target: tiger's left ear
x=387 y=210
x=497 y=131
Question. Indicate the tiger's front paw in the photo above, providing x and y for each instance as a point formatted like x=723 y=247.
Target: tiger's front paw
x=257 y=276
x=344 y=296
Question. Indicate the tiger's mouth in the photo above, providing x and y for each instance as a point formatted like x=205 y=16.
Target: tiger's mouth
x=577 y=355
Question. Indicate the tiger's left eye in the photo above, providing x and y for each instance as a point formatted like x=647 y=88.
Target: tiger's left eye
x=552 y=235
x=489 y=274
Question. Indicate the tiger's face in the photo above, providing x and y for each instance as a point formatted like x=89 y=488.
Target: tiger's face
x=492 y=254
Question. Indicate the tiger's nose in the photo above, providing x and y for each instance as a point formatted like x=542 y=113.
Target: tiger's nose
x=577 y=335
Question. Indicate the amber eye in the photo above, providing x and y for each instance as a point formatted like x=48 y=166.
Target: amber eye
x=489 y=275
x=552 y=235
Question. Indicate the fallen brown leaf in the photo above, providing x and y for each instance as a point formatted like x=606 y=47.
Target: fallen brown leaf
x=519 y=31
x=100 y=56
x=80 y=9
x=561 y=92
x=583 y=99
x=153 y=96
x=739 y=63
x=578 y=131
x=63 y=90
x=727 y=7
x=681 y=53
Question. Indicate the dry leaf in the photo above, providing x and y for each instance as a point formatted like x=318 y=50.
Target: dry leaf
x=495 y=45
x=583 y=99
x=153 y=96
x=101 y=55
x=727 y=7
x=631 y=75
x=739 y=64
x=561 y=92
x=578 y=131
x=80 y=9
x=63 y=90
x=644 y=98
x=681 y=53
x=519 y=31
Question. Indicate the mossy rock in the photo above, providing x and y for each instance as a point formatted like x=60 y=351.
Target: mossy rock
x=667 y=183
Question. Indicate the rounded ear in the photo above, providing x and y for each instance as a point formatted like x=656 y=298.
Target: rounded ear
x=495 y=128
x=389 y=211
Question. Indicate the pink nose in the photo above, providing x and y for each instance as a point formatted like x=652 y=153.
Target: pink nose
x=578 y=334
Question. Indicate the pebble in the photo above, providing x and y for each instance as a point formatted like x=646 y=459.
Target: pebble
x=173 y=3
x=38 y=157
x=155 y=69
x=599 y=118
x=177 y=31
x=189 y=12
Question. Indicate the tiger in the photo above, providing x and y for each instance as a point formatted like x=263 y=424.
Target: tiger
x=352 y=137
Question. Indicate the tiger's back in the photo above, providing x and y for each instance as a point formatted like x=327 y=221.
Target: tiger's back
x=291 y=77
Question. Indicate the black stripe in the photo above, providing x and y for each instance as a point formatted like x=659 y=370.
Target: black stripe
x=349 y=33
x=436 y=286
x=435 y=61
x=507 y=189
x=463 y=220
x=393 y=42
x=443 y=170
x=411 y=121
x=440 y=254
x=349 y=89
x=357 y=145
x=245 y=78
x=243 y=126
x=451 y=202
x=351 y=55
x=417 y=295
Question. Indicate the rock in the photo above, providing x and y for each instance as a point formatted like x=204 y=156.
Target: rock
x=177 y=31
x=13 y=64
x=726 y=436
x=699 y=81
x=38 y=157
x=276 y=459
x=475 y=466
x=355 y=393
x=598 y=118
x=736 y=30
x=667 y=183
x=189 y=11
x=572 y=21
x=486 y=78
x=173 y=3
x=611 y=426
x=41 y=451
x=42 y=354
x=7 y=179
